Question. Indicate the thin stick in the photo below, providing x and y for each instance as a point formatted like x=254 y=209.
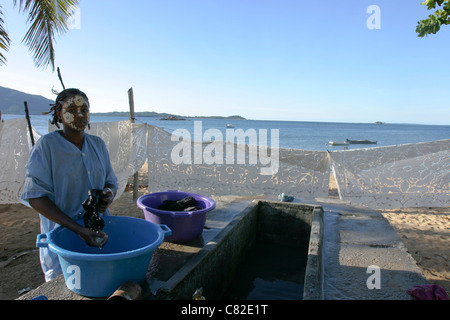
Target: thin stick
x=136 y=175
x=60 y=79
x=27 y=116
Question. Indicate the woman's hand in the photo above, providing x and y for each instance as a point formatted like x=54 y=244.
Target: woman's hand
x=93 y=238
x=49 y=210
x=106 y=199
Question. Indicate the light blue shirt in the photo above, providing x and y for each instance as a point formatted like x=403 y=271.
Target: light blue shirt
x=57 y=169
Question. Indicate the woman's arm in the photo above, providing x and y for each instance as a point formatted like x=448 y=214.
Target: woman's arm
x=109 y=192
x=48 y=209
x=110 y=187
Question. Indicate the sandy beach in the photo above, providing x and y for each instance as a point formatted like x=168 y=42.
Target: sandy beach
x=424 y=231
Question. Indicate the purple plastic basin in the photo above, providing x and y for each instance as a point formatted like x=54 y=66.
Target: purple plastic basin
x=185 y=226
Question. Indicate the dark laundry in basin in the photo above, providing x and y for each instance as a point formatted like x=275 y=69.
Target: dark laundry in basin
x=184 y=204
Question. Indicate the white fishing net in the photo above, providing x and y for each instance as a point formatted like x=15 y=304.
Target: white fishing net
x=15 y=144
x=226 y=168
x=410 y=175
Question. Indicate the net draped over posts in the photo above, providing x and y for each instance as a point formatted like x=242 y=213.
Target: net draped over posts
x=410 y=175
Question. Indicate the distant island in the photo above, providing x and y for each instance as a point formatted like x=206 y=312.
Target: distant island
x=172 y=118
x=163 y=116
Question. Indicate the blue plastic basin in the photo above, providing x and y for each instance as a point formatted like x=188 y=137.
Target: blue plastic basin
x=185 y=226
x=98 y=272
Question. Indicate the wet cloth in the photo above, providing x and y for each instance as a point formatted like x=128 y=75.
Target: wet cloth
x=184 y=204
x=57 y=169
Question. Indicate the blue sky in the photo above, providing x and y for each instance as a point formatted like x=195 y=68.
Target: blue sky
x=261 y=59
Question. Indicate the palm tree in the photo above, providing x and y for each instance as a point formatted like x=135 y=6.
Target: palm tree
x=46 y=17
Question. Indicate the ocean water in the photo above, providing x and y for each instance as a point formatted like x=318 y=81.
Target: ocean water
x=291 y=134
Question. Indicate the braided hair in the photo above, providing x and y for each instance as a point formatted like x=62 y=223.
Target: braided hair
x=62 y=96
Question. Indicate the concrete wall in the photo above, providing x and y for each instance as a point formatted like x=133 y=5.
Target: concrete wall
x=313 y=286
x=214 y=267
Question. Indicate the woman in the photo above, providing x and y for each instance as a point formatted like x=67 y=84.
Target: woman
x=63 y=166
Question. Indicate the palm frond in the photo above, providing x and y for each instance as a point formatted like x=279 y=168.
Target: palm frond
x=47 y=17
x=4 y=39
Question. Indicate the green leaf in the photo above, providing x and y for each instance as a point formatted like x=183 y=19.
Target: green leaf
x=4 y=39
x=46 y=18
x=440 y=17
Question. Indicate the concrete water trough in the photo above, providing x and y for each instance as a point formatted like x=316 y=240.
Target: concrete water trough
x=351 y=253
x=287 y=235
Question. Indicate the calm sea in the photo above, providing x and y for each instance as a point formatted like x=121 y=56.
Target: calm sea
x=292 y=134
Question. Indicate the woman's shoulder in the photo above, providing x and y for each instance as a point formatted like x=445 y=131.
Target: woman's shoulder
x=48 y=138
x=94 y=139
x=47 y=143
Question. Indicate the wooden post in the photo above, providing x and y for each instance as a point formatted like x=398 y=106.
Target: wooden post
x=60 y=79
x=136 y=175
x=27 y=116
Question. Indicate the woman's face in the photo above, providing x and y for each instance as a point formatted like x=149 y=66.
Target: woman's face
x=75 y=113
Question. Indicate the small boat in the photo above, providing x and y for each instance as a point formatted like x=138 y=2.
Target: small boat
x=338 y=143
x=229 y=125
x=360 y=141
